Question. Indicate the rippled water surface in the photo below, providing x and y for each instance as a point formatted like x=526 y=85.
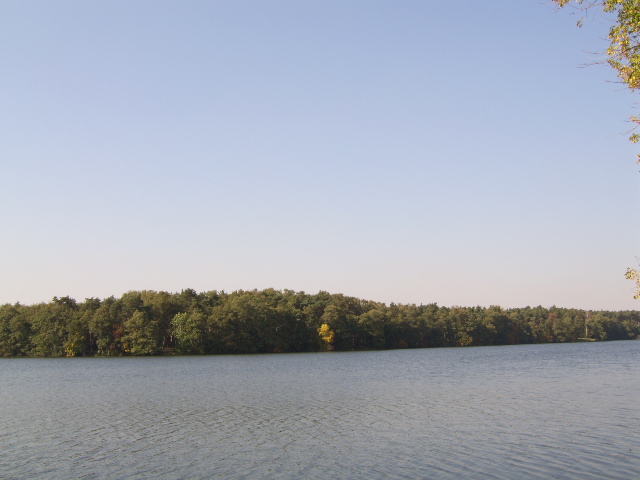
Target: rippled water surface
x=534 y=411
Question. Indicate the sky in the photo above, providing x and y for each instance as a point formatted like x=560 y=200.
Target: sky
x=415 y=151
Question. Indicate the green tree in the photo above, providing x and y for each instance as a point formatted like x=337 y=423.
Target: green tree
x=595 y=326
x=246 y=323
x=105 y=329
x=519 y=330
x=372 y=328
x=190 y=332
x=162 y=308
x=14 y=331
x=540 y=324
x=49 y=324
x=464 y=326
x=569 y=325
x=141 y=337
x=344 y=322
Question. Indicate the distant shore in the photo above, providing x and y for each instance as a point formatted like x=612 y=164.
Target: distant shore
x=273 y=321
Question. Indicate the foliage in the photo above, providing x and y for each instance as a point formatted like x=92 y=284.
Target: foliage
x=633 y=274
x=327 y=335
x=190 y=332
x=624 y=37
x=15 y=331
x=623 y=55
x=141 y=337
x=270 y=321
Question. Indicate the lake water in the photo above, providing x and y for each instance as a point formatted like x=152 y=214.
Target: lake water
x=567 y=411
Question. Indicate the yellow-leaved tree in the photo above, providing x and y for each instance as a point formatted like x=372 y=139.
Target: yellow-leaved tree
x=326 y=335
x=623 y=55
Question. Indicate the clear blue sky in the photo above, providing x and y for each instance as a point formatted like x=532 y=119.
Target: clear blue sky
x=401 y=151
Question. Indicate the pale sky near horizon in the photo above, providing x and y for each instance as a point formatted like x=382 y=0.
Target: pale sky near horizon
x=398 y=151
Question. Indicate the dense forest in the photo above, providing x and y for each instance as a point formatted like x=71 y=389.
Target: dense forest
x=152 y=323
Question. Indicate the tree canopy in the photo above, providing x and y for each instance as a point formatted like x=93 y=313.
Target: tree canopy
x=272 y=321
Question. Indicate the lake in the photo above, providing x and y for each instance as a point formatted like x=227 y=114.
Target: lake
x=565 y=411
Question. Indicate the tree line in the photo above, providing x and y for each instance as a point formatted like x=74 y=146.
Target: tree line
x=269 y=321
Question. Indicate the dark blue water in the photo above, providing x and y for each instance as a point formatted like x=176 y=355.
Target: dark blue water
x=534 y=411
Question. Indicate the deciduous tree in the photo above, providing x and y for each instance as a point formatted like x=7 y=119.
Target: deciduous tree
x=623 y=53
